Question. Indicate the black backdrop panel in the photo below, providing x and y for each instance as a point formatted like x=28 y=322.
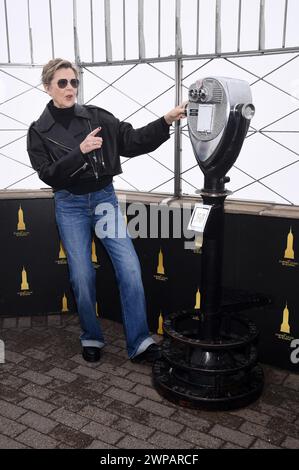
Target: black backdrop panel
x=31 y=255
x=256 y=261
x=261 y=255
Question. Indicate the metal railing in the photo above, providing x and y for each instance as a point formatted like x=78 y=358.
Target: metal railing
x=177 y=55
x=218 y=6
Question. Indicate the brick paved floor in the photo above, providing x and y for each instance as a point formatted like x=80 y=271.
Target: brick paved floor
x=51 y=398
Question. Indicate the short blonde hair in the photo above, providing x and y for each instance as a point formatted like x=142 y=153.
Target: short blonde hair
x=55 y=64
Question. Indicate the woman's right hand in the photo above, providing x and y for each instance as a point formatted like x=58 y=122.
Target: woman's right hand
x=91 y=142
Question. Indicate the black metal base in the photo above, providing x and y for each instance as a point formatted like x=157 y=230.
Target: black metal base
x=236 y=393
x=218 y=374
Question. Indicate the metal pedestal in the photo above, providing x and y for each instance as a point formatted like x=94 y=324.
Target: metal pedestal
x=210 y=355
x=219 y=374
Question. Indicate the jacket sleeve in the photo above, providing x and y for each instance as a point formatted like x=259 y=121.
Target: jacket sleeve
x=133 y=142
x=55 y=173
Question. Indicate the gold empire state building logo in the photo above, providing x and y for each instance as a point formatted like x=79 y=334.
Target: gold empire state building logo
x=64 y=304
x=289 y=253
x=160 y=324
x=21 y=226
x=24 y=284
x=61 y=254
x=197 y=305
x=94 y=257
x=285 y=328
x=160 y=274
x=62 y=258
x=21 y=223
x=197 y=300
x=25 y=289
x=160 y=268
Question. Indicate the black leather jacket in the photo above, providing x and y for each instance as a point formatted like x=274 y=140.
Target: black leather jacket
x=55 y=154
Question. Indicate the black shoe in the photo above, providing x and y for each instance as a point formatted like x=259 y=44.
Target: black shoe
x=151 y=354
x=91 y=353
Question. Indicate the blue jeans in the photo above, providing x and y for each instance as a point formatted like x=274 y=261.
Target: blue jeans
x=77 y=216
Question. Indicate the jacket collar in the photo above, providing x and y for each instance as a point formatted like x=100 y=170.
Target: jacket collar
x=46 y=121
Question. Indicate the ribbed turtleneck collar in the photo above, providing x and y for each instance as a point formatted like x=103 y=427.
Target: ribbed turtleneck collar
x=62 y=115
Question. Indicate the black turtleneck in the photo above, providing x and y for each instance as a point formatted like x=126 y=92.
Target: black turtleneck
x=62 y=115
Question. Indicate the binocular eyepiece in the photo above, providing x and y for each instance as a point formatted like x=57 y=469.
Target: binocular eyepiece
x=198 y=95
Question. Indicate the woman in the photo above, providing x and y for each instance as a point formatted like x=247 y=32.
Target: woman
x=76 y=150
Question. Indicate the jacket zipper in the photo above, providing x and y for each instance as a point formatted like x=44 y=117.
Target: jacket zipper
x=102 y=158
x=59 y=144
x=95 y=166
x=79 y=169
x=68 y=148
x=94 y=157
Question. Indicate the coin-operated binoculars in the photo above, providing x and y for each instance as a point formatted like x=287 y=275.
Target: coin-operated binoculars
x=209 y=355
x=219 y=113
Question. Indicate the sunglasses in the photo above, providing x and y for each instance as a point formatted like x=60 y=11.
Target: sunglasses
x=62 y=83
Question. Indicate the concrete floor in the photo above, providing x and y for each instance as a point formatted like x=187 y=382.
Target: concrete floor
x=51 y=398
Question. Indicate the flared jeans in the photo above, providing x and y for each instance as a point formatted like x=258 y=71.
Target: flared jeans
x=77 y=216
